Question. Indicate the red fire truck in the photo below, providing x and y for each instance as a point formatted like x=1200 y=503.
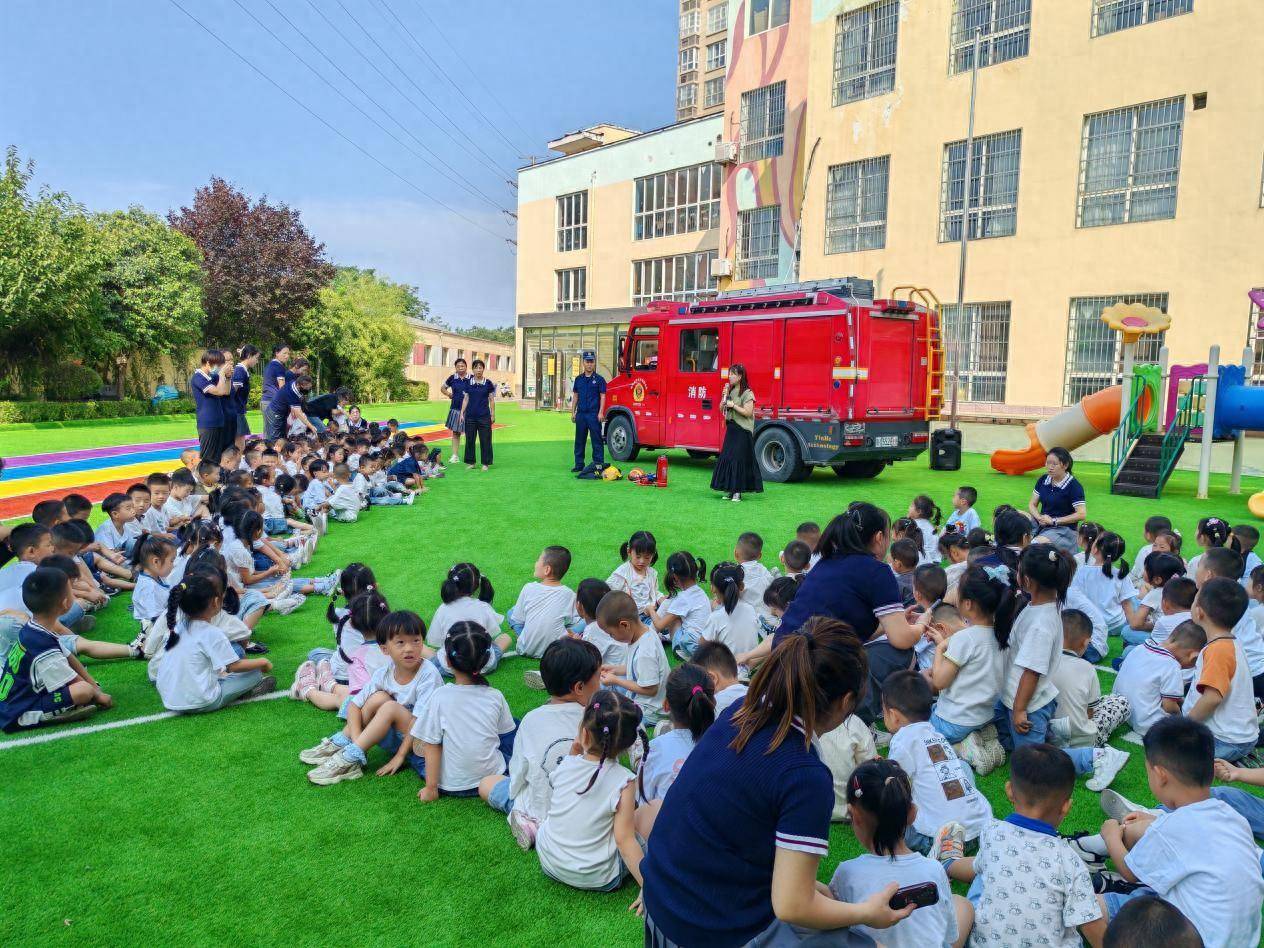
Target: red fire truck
x=840 y=379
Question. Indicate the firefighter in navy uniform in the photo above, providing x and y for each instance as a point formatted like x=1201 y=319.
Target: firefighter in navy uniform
x=588 y=411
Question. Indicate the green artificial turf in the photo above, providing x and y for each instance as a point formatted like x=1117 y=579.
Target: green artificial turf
x=204 y=829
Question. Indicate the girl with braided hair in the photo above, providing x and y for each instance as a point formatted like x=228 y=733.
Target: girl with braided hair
x=587 y=840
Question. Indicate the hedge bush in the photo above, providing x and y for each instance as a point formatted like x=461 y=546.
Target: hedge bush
x=68 y=382
x=18 y=412
x=416 y=392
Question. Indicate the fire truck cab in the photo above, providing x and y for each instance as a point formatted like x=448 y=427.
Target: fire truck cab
x=840 y=379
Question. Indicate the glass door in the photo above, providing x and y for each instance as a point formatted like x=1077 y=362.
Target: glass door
x=547 y=367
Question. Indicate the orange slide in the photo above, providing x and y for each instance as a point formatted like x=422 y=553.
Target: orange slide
x=1090 y=418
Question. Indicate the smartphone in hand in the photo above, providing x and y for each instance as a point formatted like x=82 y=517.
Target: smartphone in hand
x=920 y=895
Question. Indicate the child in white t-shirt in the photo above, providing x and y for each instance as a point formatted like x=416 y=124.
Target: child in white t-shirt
x=690 y=706
x=1177 y=600
x=732 y=621
x=926 y=515
x=1222 y=696
x=1160 y=569
x=964 y=517
x=156 y=557
x=466 y=733
x=571 y=671
x=880 y=800
x=636 y=575
x=545 y=607
x=1151 y=677
x=345 y=503
x=644 y=675
x=1105 y=581
x=718 y=662
x=467 y=595
x=1084 y=717
x=588 y=596
x=1153 y=527
x=755 y=575
x=587 y=839
x=955 y=548
x=680 y=618
x=930 y=584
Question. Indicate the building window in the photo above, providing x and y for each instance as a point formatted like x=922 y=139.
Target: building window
x=993 y=187
x=572 y=289
x=718 y=17
x=677 y=202
x=1006 y=28
x=689 y=60
x=684 y=278
x=757 y=244
x=763 y=122
x=713 y=92
x=1130 y=160
x=856 y=206
x=717 y=55
x=687 y=96
x=978 y=335
x=1111 y=16
x=1094 y=358
x=572 y=221
x=699 y=350
x=690 y=23
x=769 y=14
x=864 y=52
x=1255 y=339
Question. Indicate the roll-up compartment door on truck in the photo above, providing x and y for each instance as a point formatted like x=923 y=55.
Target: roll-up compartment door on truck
x=889 y=350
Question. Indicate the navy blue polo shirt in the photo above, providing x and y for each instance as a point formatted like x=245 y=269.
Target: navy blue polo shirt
x=457 y=384
x=287 y=398
x=480 y=396
x=241 y=388
x=210 y=408
x=275 y=370
x=708 y=874
x=588 y=391
x=1061 y=499
x=856 y=588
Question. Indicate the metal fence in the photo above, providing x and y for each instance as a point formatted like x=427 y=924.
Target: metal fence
x=763 y=126
x=978 y=335
x=992 y=187
x=856 y=205
x=1094 y=354
x=757 y=245
x=864 y=51
x=1006 y=28
x=1130 y=161
x=1111 y=16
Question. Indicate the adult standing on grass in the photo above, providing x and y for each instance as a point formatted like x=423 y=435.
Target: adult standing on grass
x=478 y=414
x=588 y=411
x=1057 y=504
x=275 y=378
x=247 y=359
x=736 y=470
x=453 y=387
x=211 y=386
x=738 y=842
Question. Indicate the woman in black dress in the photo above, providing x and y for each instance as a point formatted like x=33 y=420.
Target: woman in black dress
x=736 y=471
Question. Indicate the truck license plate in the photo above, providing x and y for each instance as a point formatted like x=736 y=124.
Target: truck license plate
x=887 y=441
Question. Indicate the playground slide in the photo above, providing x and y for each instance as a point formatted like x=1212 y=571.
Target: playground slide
x=1091 y=417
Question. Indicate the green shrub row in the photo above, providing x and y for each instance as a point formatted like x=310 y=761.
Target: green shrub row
x=17 y=412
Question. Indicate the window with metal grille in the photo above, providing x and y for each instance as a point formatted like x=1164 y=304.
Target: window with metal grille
x=864 y=51
x=572 y=221
x=689 y=60
x=1111 y=16
x=684 y=278
x=769 y=14
x=856 y=206
x=572 y=289
x=1130 y=161
x=713 y=92
x=687 y=95
x=1255 y=339
x=1094 y=358
x=718 y=18
x=758 y=254
x=993 y=187
x=677 y=202
x=977 y=334
x=763 y=122
x=717 y=55
x=690 y=23
x=1006 y=29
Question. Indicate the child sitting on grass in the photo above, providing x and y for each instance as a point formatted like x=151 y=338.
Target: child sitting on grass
x=345 y=502
x=904 y=559
x=467 y=595
x=1151 y=678
x=588 y=596
x=643 y=675
x=333 y=674
x=1153 y=527
x=690 y=706
x=142 y=503
x=183 y=506
x=119 y=531
x=1177 y=600
x=756 y=576
x=777 y=598
x=544 y=607
x=930 y=583
x=636 y=575
x=1159 y=568
x=964 y=517
x=795 y=559
x=1227 y=563
x=955 y=548
x=1221 y=696
x=718 y=662
x=681 y=617
x=154 y=557
x=925 y=514
x=1083 y=717
x=733 y=621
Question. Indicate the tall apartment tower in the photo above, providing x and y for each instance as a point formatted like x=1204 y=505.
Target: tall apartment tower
x=703 y=59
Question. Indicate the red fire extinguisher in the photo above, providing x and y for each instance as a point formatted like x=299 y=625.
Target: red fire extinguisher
x=660 y=474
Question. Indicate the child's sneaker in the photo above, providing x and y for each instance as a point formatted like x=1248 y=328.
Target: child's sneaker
x=523 y=828
x=533 y=679
x=287 y=604
x=325 y=677
x=335 y=769
x=1117 y=806
x=138 y=644
x=1060 y=731
x=970 y=749
x=1107 y=762
x=304 y=681
x=267 y=685
x=1089 y=853
x=991 y=742
x=320 y=753
x=949 y=844
x=453 y=459
x=333 y=579
x=1106 y=882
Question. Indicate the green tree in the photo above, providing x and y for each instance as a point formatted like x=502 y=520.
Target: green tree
x=503 y=334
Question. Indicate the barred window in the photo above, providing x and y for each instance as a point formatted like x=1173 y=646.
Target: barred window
x=978 y=335
x=677 y=202
x=718 y=17
x=572 y=221
x=1255 y=339
x=864 y=51
x=769 y=14
x=1111 y=16
x=572 y=289
x=1094 y=358
x=993 y=187
x=717 y=55
x=1006 y=27
x=856 y=206
x=763 y=122
x=689 y=60
x=1130 y=161
x=684 y=278
x=713 y=92
x=687 y=95
x=757 y=243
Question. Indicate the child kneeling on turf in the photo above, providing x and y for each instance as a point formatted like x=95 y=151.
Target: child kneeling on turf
x=384 y=710
x=466 y=733
x=571 y=670
x=587 y=839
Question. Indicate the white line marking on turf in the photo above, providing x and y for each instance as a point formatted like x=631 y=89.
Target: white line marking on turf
x=55 y=735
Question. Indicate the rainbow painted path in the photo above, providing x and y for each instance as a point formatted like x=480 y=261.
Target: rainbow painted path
x=96 y=472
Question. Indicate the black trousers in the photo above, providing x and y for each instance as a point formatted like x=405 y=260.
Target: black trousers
x=884 y=659
x=211 y=443
x=479 y=429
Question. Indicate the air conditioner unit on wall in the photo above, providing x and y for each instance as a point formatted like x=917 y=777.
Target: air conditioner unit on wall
x=721 y=267
x=726 y=152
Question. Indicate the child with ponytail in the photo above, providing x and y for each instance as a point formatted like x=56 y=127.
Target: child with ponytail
x=690 y=706
x=636 y=575
x=680 y=618
x=925 y=513
x=155 y=557
x=357 y=653
x=587 y=839
x=880 y=800
x=467 y=598
x=1212 y=532
x=1104 y=581
x=201 y=670
x=733 y=621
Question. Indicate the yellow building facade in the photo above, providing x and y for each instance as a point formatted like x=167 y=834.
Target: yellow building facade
x=435 y=351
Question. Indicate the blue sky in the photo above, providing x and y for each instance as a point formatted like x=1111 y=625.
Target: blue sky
x=124 y=102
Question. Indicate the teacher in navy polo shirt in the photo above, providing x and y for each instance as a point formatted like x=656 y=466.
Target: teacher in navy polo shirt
x=742 y=831
x=211 y=386
x=1057 y=504
x=275 y=378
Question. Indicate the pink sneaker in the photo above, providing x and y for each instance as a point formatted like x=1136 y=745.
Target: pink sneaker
x=325 y=676
x=523 y=828
x=304 y=681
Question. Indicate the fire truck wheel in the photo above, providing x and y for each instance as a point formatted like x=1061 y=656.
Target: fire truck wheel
x=779 y=457
x=699 y=455
x=621 y=439
x=858 y=470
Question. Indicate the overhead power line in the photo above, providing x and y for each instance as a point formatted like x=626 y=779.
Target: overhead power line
x=325 y=122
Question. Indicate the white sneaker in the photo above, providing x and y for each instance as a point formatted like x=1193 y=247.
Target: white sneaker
x=334 y=578
x=1117 y=806
x=523 y=828
x=635 y=753
x=320 y=753
x=950 y=842
x=453 y=459
x=409 y=498
x=335 y=769
x=1107 y=762
x=991 y=743
x=287 y=604
x=880 y=738
x=1060 y=731
x=971 y=750
x=533 y=679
